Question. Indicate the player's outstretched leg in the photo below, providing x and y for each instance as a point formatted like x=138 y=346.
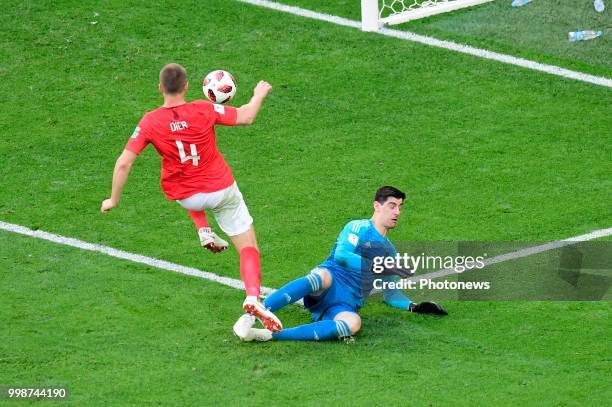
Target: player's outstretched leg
x=208 y=239
x=317 y=331
x=289 y=293
x=297 y=289
x=250 y=271
x=344 y=325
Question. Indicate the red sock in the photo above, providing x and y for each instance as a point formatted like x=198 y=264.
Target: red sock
x=250 y=270
x=199 y=218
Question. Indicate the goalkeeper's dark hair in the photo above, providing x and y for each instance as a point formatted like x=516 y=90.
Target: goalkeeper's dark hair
x=173 y=78
x=386 y=192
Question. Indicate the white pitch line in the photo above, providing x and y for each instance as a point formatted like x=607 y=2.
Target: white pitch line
x=238 y=284
x=519 y=254
x=120 y=254
x=449 y=45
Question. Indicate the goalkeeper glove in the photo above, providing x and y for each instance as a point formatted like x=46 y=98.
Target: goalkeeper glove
x=427 y=307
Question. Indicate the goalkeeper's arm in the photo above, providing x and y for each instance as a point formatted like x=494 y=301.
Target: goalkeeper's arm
x=346 y=256
x=395 y=298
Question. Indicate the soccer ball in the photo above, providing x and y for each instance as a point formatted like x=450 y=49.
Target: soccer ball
x=219 y=86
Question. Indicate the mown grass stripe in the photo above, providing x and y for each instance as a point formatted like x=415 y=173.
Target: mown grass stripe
x=434 y=42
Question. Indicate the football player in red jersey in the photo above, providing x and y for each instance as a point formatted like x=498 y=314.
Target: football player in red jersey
x=195 y=174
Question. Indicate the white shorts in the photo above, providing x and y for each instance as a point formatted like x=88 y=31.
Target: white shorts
x=227 y=205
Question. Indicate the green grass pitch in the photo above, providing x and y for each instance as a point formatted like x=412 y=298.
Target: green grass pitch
x=485 y=151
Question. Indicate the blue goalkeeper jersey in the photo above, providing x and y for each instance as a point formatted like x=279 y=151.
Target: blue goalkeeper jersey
x=351 y=257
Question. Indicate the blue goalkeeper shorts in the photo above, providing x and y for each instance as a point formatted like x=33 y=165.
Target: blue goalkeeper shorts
x=336 y=299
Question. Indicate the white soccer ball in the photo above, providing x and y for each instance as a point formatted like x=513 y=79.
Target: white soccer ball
x=219 y=86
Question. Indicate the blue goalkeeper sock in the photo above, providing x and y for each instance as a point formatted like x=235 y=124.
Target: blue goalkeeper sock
x=317 y=331
x=293 y=291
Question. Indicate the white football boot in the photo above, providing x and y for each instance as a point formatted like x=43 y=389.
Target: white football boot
x=265 y=316
x=243 y=329
x=243 y=326
x=210 y=241
x=259 y=335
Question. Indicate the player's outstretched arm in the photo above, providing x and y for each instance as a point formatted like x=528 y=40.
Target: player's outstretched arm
x=395 y=297
x=427 y=307
x=120 y=176
x=247 y=113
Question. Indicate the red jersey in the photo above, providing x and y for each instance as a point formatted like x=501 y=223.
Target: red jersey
x=184 y=137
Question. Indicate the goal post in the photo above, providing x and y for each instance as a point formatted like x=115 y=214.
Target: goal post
x=373 y=16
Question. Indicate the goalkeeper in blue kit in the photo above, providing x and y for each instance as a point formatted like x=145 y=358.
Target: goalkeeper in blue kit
x=337 y=288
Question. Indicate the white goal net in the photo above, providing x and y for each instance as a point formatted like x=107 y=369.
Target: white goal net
x=376 y=13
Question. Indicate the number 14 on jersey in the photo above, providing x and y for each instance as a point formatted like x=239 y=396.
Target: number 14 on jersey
x=194 y=153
